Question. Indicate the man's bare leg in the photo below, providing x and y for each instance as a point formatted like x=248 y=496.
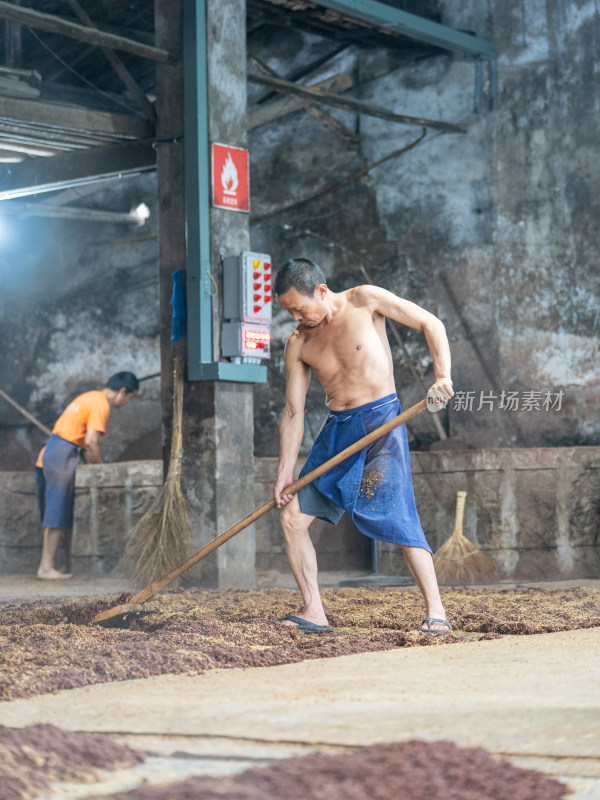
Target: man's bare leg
x=303 y=561
x=46 y=569
x=420 y=564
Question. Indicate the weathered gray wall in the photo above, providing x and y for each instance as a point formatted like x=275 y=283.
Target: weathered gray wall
x=508 y=211
x=76 y=306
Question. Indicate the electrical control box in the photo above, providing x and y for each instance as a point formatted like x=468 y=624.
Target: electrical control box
x=247 y=305
x=248 y=287
x=246 y=339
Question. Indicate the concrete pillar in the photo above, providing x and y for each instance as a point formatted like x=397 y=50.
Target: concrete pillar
x=218 y=415
x=234 y=402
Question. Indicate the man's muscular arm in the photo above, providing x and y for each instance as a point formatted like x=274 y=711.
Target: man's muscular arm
x=92 y=447
x=396 y=308
x=291 y=425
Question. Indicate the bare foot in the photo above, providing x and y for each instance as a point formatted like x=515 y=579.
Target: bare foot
x=52 y=575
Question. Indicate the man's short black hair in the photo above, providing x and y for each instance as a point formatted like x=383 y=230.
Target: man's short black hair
x=123 y=380
x=301 y=274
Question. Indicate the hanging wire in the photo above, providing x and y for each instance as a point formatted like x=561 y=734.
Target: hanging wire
x=79 y=75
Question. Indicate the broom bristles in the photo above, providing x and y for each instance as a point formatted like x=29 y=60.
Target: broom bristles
x=459 y=561
x=162 y=538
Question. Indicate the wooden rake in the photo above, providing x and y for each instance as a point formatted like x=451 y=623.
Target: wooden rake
x=122 y=613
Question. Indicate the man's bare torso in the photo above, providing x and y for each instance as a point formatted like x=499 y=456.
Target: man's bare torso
x=349 y=352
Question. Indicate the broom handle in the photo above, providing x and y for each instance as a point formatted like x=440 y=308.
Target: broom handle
x=460 y=510
x=29 y=416
x=156 y=586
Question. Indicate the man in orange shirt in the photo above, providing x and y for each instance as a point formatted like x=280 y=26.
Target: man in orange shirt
x=79 y=427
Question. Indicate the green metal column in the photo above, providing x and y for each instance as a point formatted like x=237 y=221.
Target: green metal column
x=201 y=364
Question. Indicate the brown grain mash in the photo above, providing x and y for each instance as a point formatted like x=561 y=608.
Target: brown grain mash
x=404 y=771
x=31 y=757
x=52 y=646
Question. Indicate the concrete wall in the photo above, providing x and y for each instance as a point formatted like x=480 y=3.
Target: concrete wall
x=79 y=302
x=109 y=500
x=340 y=547
x=536 y=512
x=508 y=211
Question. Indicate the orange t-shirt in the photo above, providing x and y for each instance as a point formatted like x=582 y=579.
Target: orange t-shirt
x=89 y=411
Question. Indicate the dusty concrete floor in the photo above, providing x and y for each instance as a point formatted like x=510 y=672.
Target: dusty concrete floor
x=27 y=587
x=535 y=699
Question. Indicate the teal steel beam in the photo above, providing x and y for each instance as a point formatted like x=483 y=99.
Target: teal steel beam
x=424 y=30
x=197 y=203
x=197 y=182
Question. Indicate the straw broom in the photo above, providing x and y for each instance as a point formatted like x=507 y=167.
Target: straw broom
x=162 y=538
x=459 y=561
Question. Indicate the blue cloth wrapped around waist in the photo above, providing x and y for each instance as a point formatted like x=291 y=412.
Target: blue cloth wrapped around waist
x=59 y=462
x=373 y=486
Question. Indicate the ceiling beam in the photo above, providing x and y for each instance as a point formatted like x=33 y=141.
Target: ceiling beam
x=27 y=133
x=78 y=167
x=419 y=28
x=309 y=106
x=119 y=67
x=350 y=104
x=36 y=113
x=29 y=149
x=83 y=33
x=262 y=114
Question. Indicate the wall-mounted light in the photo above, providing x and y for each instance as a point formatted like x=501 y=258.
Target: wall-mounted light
x=141 y=213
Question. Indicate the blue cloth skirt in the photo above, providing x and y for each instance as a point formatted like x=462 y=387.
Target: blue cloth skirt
x=374 y=487
x=59 y=461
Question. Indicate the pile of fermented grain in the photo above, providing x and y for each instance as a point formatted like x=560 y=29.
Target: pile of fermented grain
x=32 y=757
x=402 y=771
x=49 y=647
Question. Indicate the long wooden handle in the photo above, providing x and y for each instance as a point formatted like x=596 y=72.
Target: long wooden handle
x=156 y=586
x=460 y=510
x=25 y=413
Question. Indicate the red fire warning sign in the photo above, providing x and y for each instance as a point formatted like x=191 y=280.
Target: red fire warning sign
x=230 y=183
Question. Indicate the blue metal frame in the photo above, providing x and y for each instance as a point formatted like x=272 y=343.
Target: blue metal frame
x=197 y=202
x=424 y=30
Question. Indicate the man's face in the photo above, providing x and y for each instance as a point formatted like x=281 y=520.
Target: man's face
x=308 y=311
x=123 y=398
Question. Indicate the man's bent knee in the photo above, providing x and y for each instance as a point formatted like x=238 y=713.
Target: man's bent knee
x=293 y=521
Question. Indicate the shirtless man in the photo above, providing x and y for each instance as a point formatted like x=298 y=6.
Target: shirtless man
x=342 y=337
